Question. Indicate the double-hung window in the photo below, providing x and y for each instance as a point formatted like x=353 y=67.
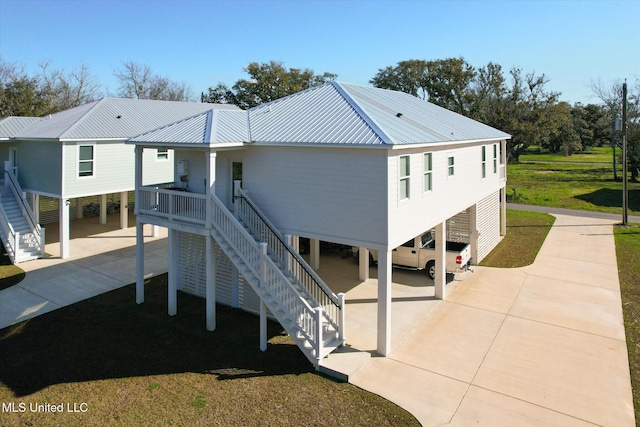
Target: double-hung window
x=405 y=180
x=86 y=158
x=451 y=163
x=484 y=161
x=428 y=170
x=495 y=158
x=163 y=154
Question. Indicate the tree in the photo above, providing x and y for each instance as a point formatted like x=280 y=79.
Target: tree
x=68 y=89
x=139 y=82
x=408 y=76
x=267 y=82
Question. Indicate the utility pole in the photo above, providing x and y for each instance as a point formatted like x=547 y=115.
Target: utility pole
x=625 y=194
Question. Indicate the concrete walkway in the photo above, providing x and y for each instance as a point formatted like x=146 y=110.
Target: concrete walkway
x=103 y=258
x=538 y=345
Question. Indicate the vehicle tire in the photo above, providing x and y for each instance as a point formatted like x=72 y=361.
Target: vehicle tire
x=430 y=269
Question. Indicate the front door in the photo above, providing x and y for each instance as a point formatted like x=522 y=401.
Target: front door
x=236 y=175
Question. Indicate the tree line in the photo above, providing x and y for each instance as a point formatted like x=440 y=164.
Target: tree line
x=517 y=102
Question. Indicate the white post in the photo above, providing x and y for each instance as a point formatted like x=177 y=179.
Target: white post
x=263 y=326
x=211 y=285
x=139 y=262
x=341 y=322
x=103 y=209
x=155 y=230
x=288 y=238
x=384 y=302
x=314 y=253
x=124 y=210
x=441 y=268
x=474 y=234
x=319 y=337
x=363 y=264
x=79 y=208
x=296 y=243
x=172 y=273
x=36 y=206
x=211 y=182
x=503 y=211
x=64 y=228
x=263 y=249
x=138 y=177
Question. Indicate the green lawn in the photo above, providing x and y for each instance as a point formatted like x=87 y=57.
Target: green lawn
x=569 y=182
x=135 y=365
x=628 y=255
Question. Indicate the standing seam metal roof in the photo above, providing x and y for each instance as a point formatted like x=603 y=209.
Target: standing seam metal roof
x=10 y=126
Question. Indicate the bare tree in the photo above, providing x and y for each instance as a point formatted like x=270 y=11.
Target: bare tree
x=138 y=81
x=68 y=89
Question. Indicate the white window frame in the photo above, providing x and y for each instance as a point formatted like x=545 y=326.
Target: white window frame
x=451 y=166
x=484 y=161
x=162 y=154
x=93 y=160
x=427 y=158
x=404 y=179
x=495 y=159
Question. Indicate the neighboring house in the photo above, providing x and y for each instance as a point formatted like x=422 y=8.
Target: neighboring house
x=353 y=165
x=77 y=158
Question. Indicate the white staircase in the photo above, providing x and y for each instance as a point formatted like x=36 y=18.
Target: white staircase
x=305 y=306
x=22 y=237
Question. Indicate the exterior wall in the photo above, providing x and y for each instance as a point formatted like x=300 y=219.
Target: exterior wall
x=334 y=194
x=449 y=195
x=197 y=170
x=39 y=166
x=114 y=169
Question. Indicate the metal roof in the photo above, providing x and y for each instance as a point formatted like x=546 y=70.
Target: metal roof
x=114 y=118
x=340 y=113
x=210 y=127
x=9 y=126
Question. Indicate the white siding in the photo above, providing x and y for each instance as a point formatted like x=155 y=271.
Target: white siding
x=450 y=194
x=488 y=220
x=334 y=194
x=156 y=171
x=39 y=166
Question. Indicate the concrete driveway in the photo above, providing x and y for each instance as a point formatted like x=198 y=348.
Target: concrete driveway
x=539 y=345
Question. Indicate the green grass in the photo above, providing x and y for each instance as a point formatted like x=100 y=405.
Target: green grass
x=628 y=255
x=554 y=181
x=135 y=365
x=526 y=232
x=595 y=155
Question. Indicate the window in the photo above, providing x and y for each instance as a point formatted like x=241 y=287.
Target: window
x=85 y=160
x=495 y=158
x=428 y=168
x=484 y=161
x=163 y=154
x=405 y=172
x=451 y=168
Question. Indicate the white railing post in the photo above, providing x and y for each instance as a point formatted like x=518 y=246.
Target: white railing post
x=42 y=242
x=263 y=273
x=16 y=243
x=319 y=339
x=342 y=317
x=287 y=255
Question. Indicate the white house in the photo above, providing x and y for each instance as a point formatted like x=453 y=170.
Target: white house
x=75 y=158
x=342 y=163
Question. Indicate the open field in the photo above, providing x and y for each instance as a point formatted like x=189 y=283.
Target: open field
x=569 y=182
x=135 y=365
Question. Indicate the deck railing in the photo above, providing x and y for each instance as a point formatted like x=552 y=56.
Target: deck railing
x=172 y=205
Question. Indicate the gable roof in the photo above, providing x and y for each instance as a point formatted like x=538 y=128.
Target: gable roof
x=210 y=127
x=341 y=113
x=9 y=126
x=113 y=118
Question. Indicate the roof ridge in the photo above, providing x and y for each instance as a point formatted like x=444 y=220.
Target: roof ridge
x=77 y=122
x=375 y=127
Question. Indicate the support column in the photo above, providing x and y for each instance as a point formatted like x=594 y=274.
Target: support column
x=314 y=253
x=155 y=231
x=263 y=326
x=35 y=202
x=503 y=211
x=103 y=209
x=363 y=264
x=210 y=183
x=79 y=208
x=441 y=268
x=64 y=228
x=474 y=234
x=211 y=285
x=384 y=303
x=173 y=273
x=124 y=210
x=138 y=176
x=139 y=262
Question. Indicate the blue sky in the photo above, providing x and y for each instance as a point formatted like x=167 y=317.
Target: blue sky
x=205 y=42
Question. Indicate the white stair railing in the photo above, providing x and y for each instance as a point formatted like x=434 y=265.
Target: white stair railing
x=12 y=238
x=302 y=322
x=37 y=231
x=314 y=288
